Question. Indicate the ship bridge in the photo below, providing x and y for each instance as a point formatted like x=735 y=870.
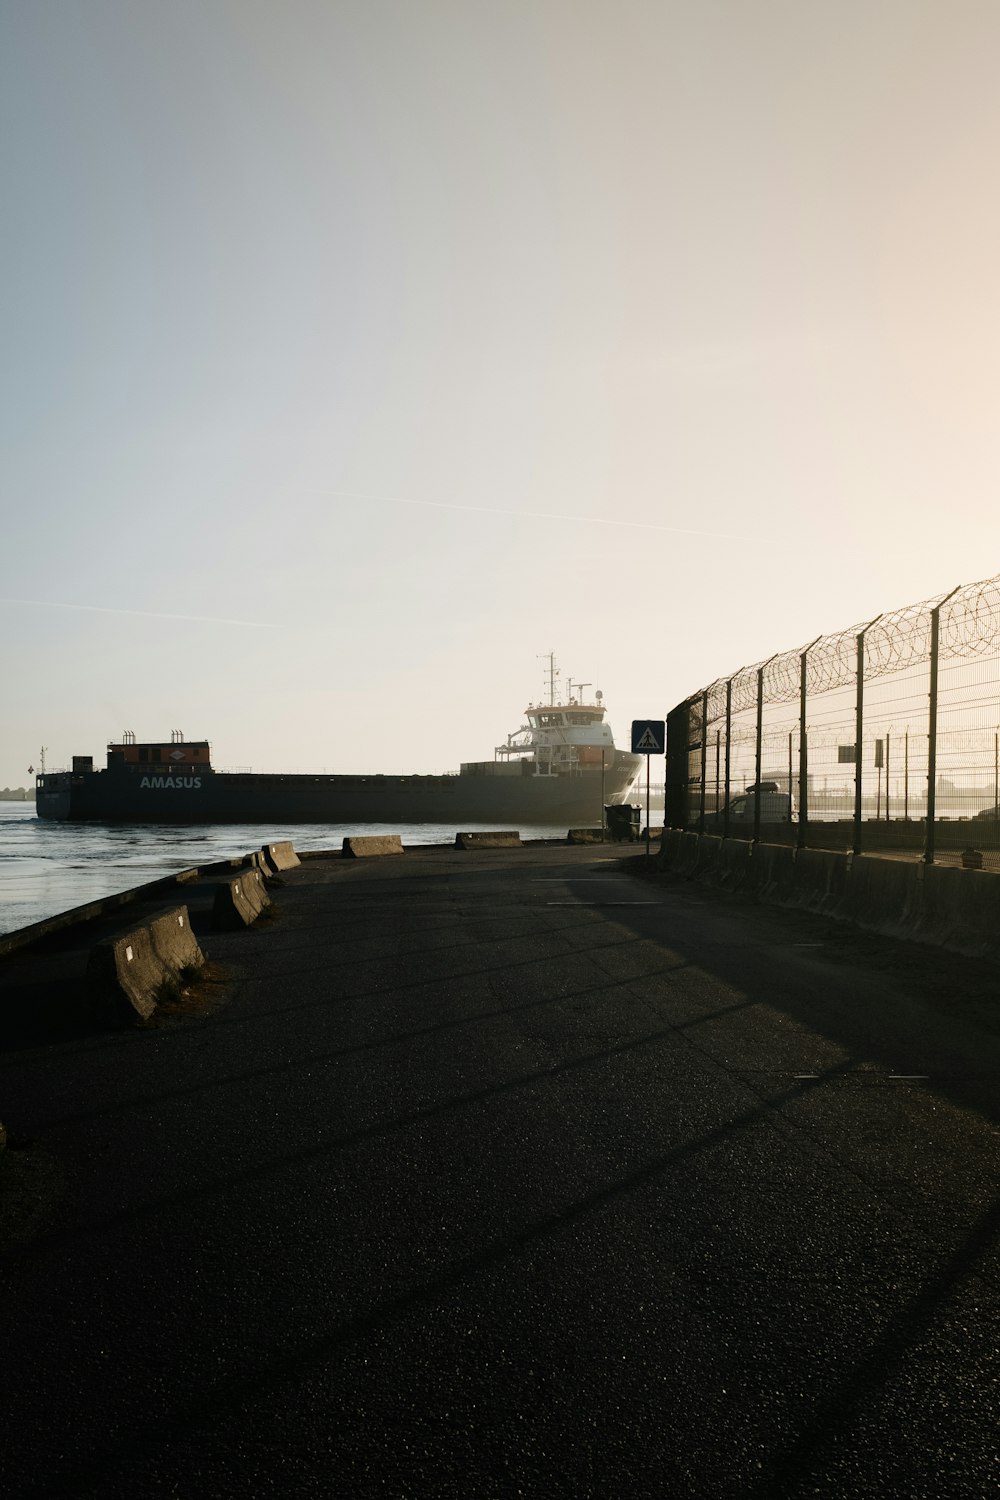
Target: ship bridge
x=560 y=737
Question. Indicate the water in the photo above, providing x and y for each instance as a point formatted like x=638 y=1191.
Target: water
x=46 y=868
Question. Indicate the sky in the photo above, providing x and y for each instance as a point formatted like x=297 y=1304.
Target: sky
x=354 y=356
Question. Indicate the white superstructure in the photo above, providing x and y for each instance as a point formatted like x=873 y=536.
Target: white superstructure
x=561 y=738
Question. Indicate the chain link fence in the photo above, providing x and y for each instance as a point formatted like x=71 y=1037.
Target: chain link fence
x=882 y=737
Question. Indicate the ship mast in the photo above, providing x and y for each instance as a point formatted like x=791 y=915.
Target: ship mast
x=550 y=657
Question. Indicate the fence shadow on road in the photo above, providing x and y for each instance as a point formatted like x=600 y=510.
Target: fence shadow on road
x=665 y=940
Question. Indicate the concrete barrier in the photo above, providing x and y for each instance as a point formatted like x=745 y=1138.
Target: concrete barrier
x=960 y=909
x=704 y=863
x=734 y=864
x=585 y=836
x=946 y=905
x=687 y=859
x=129 y=975
x=261 y=860
x=240 y=901
x=771 y=871
x=125 y=977
x=509 y=839
x=821 y=878
x=367 y=846
x=280 y=856
x=173 y=941
x=883 y=893
x=670 y=846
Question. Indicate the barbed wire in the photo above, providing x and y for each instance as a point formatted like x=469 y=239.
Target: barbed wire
x=893 y=642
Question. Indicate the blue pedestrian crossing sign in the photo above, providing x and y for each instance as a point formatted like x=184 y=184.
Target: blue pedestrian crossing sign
x=648 y=736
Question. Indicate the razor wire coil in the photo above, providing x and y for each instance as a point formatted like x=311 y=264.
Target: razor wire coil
x=969 y=626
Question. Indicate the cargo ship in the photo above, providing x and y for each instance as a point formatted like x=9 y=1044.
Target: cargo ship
x=560 y=767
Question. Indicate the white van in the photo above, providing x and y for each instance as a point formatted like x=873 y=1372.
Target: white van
x=774 y=808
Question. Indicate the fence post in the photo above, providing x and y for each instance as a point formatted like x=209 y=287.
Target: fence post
x=729 y=726
x=932 y=727
x=760 y=746
x=675 y=791
x=718 y=747
x=803 y=750
x=704 y=761
x=859 y=718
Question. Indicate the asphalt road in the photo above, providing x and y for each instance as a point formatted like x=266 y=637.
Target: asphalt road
x=512 y=1174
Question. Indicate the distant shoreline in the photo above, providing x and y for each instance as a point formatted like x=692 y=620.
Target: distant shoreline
x=17 y=796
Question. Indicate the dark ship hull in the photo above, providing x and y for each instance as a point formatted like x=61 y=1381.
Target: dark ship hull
x=505 y=795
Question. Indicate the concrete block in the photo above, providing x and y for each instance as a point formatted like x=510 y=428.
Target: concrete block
x=367 y=846
x=821 y=878
x=733 y=863
x=281 y=856
x=585 y=836
x=883 y=894
x=703 y=862
x=670 y=847
x=510 y=839
x=127 y=975
x=686 y=859
x=173 y=941
x=240 y=901
x=960 y=909
x=771 y=871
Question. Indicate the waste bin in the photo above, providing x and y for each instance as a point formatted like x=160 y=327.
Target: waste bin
x=624 y=820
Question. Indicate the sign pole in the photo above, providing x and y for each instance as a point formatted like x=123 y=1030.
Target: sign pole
x=648 y=839
x=649 y=738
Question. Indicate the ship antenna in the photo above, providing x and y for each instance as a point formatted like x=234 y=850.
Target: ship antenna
x=550 y=657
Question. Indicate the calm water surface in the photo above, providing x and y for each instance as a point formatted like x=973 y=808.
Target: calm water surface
x=46 y=868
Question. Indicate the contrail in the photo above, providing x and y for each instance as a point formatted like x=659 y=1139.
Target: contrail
x=146 y=614
x=534 y=515
x=549 y=515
